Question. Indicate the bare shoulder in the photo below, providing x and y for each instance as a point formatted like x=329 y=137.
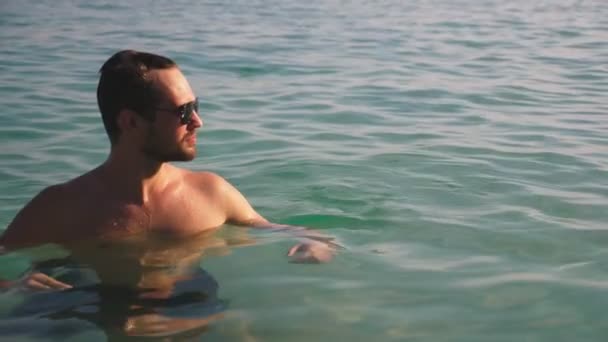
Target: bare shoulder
x=235 y=206
x=206 y=181
x=35 y=223
x=47 y=201
x=47 y=216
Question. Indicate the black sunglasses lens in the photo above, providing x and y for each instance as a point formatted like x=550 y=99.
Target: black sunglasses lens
x=184 y=114
x=187 y=110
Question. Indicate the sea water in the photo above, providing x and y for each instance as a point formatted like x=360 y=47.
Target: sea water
x=457 y=149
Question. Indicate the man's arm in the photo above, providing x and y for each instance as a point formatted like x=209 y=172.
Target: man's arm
x=34 y=225
x=316 y=247
x=236 y=207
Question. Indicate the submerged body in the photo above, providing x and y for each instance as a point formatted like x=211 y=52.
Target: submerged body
x=141 y=285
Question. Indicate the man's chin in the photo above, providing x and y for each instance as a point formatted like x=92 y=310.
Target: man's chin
x=184 y=157
x=190 y=153
x=181 y=156
x=188 y=158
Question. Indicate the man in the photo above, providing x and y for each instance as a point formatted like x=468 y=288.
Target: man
x=151 y=116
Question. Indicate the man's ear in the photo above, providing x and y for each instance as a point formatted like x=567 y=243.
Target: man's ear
x=127 y=120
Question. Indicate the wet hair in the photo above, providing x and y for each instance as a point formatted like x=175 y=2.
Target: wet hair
x=125 y=84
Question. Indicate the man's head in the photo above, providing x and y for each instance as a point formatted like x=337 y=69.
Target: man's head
x=146 y=99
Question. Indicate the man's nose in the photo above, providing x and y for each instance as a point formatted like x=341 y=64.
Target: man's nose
x=197 y=121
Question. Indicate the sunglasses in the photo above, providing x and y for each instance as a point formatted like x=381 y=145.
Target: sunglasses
x=184 y=111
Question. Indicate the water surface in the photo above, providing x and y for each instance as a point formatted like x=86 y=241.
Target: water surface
x=457 y=148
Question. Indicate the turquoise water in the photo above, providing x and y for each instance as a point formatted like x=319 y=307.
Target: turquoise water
x=457 y=149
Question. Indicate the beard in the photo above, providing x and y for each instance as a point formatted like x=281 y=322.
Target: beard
x=156 y=149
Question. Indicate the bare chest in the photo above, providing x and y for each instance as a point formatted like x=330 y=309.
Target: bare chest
x=174 y=216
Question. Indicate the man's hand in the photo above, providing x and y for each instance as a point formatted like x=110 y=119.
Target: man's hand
x=311 y=252
x=37 y=281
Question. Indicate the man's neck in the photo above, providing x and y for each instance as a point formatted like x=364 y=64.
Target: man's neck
x=135 y=175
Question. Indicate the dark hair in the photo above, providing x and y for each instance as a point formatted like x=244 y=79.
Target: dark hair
x=125 y=84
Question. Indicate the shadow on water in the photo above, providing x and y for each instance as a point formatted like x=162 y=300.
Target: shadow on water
x=143 y=287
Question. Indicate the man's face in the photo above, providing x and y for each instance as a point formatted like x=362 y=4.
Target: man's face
x=168 y=139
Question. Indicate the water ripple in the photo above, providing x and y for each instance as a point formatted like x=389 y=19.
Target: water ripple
x=455 y=145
